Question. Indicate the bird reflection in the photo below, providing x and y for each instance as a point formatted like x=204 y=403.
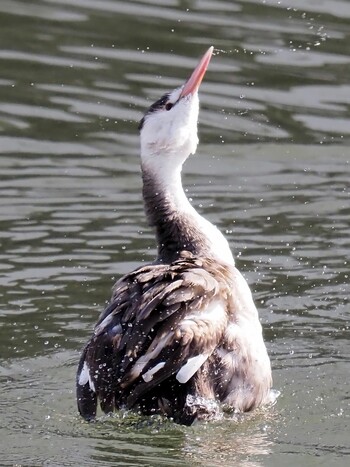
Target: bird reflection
x=244 y=441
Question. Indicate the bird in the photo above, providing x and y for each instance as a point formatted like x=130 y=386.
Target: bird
x=181 y=336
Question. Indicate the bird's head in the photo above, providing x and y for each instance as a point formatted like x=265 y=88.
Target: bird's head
x=169 y=127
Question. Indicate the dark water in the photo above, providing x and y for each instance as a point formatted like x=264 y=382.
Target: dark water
x=272 y=171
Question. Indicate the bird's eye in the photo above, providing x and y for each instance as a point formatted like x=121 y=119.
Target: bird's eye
x=169 y=106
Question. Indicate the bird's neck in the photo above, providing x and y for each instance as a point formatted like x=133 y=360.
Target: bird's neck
x=179 y=227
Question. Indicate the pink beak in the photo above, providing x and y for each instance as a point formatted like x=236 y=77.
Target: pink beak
x=192 y=84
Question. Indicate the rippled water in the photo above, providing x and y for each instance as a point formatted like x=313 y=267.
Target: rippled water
x=272 y=170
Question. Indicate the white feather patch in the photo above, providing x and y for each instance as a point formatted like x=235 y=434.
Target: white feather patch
x=191 y=366
x=140 y=364
x=148 y=376
x=214 y=312
x=85 y=377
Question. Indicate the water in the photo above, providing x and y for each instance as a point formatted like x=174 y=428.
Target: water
x=272 y=171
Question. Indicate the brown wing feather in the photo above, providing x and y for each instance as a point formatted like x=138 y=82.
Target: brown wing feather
x=191 y=337
x=148 y=309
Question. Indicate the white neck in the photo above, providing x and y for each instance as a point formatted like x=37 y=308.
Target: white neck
x=167 y=205
x=167 y=139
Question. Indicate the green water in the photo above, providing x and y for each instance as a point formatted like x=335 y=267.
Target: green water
x=272 y=171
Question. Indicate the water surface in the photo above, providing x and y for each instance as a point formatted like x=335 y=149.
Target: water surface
x=272 y=171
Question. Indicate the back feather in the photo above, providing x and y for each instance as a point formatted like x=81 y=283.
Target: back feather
x=163 y=320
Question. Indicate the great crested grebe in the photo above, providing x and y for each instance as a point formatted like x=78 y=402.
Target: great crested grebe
x=180 y=336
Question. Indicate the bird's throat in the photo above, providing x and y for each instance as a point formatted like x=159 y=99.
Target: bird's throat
x=179 y=227
x=177 y=224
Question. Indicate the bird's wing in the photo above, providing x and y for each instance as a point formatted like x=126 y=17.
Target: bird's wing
x=163 y=320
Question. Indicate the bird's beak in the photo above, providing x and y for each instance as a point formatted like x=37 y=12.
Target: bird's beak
x=192 y=84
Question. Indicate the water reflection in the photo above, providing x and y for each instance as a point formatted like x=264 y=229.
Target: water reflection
x=240 y=442
x=246 y=445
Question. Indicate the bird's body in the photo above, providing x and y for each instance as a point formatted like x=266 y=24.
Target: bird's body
x=182 y=334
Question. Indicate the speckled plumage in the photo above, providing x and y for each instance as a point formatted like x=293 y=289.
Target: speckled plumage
x=181 y=335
